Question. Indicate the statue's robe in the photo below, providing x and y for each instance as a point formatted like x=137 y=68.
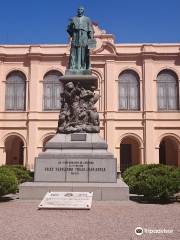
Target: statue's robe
x=80 y=29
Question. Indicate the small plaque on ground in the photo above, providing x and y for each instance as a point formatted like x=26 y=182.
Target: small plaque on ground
x=66 y=200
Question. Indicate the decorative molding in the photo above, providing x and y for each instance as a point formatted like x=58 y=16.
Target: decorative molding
x=14 y=128
x=176 y=128
x=119 y=128
x=108 y=46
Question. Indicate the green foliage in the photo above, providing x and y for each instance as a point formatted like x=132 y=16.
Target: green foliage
x=21 y=173
x=154 y=181
x=8 y=182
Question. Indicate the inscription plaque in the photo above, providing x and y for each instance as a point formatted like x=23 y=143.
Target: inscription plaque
x=67 y=200
x=78 y=137
x=75 y=170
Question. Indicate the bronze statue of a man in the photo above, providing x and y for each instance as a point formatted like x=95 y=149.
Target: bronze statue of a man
x=81 y=32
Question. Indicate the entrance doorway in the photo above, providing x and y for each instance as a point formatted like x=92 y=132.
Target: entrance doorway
x=129 y=153
x=14 y=148
x=168 y=151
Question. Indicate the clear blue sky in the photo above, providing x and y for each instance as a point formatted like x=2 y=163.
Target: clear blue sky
x=131 y=21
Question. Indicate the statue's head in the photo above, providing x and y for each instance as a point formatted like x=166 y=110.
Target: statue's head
x=69 y=86
x=94 y=108
x=80 y=11
x=93 y=88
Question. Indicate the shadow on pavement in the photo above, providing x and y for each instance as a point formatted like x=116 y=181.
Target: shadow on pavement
x=9 y=197
x=142 y=199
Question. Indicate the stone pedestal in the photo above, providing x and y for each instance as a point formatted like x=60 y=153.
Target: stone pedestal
x=76 y=162
x=77 y=157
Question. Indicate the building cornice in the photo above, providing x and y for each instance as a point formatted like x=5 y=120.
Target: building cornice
x=106 y=50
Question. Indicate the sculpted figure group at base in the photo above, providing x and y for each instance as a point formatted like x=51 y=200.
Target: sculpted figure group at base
x=78 y=113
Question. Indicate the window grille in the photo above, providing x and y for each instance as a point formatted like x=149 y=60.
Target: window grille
x=129 y=91
x=167 y=85
x=15 y=92
x=52 y=91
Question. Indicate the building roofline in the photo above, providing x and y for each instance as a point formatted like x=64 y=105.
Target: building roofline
x=66 y=45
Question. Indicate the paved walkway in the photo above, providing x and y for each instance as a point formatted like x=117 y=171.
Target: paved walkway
x=20 y=220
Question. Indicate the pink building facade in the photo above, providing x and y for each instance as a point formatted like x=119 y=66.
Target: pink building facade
x=139 y=106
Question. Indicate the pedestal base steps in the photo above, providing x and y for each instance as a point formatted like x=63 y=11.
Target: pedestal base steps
x=101 y=191
x=76 y=162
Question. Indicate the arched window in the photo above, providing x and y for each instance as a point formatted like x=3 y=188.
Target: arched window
x=167 y=85
x=15 y=91
x=129 y=91
x=52 y=90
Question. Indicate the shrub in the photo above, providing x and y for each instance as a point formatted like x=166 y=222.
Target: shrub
x=21 y=173
x=154 y=181
x=8 y=182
